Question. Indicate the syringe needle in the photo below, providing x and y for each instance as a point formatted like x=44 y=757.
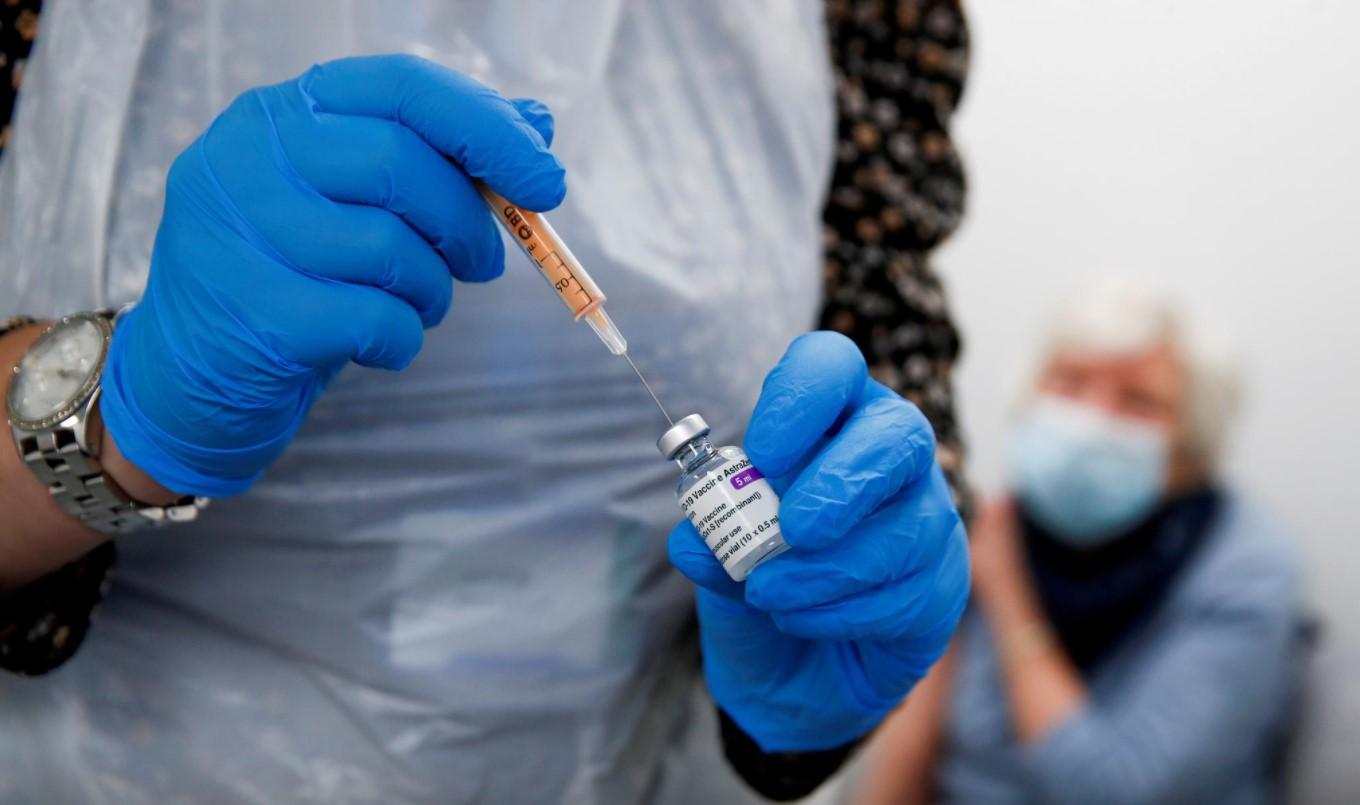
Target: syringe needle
x=647 y=386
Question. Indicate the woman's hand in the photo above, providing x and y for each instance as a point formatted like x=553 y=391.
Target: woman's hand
x=821 y=642
x=1042 y=685
x=999 y=572
x=316 y=222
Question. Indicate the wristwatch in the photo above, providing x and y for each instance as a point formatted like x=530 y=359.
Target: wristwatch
x=51 y=396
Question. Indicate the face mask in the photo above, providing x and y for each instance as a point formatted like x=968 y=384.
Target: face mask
x=1085 y=476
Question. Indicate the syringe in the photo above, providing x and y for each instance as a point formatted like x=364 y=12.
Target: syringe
x=558 y=265
x=585 y=300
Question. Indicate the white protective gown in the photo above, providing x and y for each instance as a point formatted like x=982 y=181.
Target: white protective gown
x=454 y=586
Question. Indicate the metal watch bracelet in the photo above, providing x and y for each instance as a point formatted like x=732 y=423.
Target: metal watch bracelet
x=62 y=459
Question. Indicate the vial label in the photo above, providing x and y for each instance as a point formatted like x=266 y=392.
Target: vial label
x=734 y=509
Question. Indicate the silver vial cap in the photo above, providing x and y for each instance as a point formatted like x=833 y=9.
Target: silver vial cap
x=680 y=434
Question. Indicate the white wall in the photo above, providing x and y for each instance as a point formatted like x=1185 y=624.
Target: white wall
x=1213 y=146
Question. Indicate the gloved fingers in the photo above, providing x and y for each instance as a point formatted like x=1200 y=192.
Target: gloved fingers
x=538 y=115
x=741 y=645
x=820 y=376
x=692 y=557
x=367 y=160
x=270 y=206
x=311 y=325
x=919 y=609
x=371 y=246
x=481 y=131
x=884 y=445
x=740 y=641
x=906 y=537
x=333 y=323
x=781 y=484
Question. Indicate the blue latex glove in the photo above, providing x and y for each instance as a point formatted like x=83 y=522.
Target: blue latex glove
x=316 y=222
x=820 y=643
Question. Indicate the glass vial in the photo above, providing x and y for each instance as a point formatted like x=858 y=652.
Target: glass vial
x=728 y=500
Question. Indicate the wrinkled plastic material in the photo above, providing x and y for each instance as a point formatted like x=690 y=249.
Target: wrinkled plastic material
x=453 y=586
x=823 y=641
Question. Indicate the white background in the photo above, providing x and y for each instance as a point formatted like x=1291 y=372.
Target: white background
x=1212 y=146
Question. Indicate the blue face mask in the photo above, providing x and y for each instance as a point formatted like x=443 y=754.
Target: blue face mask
x=1084 y=476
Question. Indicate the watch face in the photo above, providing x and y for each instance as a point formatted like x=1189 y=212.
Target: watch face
x=58 y=372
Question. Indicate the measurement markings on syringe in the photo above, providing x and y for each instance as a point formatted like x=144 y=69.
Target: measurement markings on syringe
x=553 y=272
x=564 y=283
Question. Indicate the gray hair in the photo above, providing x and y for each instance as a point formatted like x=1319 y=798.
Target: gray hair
x=1120 y=316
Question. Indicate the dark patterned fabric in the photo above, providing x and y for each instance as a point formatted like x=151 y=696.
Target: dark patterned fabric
x=779 y=776
x=43 y=624
x=18 y=29
x=896 y=194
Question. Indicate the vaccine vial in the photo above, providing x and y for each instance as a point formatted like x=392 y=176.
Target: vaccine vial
x=730 y=503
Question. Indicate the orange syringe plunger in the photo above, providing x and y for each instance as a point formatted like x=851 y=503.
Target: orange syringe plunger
x=538 y=240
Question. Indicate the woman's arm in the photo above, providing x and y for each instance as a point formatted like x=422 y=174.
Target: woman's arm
x=1180 y=724
x=1189 y=720
x=36 y=536
x=1043 y=686
x=901 y=757
x=42 y=622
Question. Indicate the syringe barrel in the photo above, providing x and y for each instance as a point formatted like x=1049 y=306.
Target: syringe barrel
x=537 y=239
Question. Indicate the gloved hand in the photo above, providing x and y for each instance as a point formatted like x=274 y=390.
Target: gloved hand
x=820 y=643
x=315 y=222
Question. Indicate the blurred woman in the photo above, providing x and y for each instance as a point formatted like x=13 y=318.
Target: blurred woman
x=1131 y=633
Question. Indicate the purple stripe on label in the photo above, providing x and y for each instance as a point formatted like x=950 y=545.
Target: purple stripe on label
x=745 y=477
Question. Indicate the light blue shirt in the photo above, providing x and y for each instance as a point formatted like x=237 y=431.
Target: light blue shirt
x=1186 y=708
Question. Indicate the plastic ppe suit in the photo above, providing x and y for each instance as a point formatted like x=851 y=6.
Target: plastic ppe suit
x=453 y=587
